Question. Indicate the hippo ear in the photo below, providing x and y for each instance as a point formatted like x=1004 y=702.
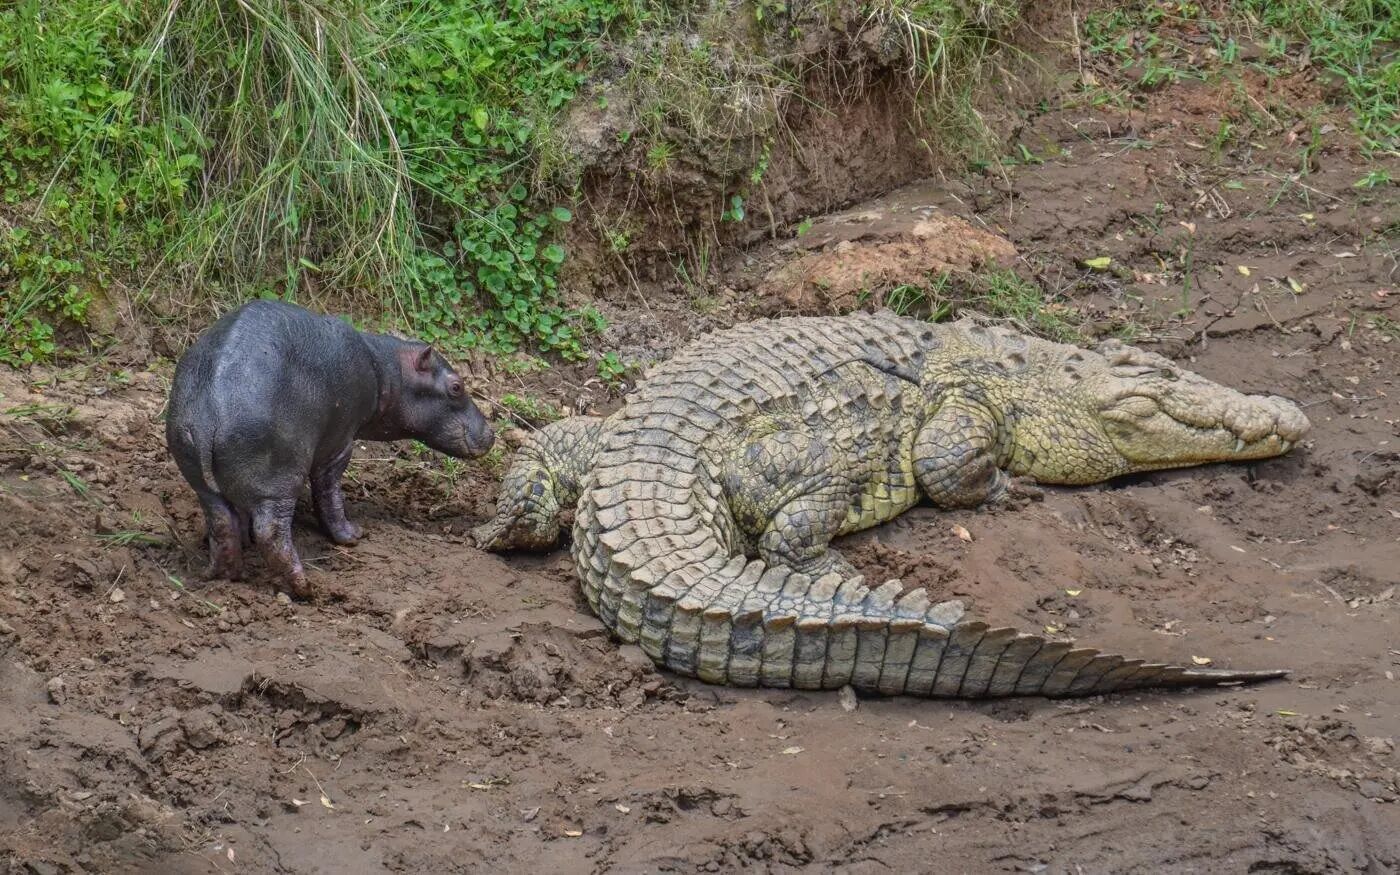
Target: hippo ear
x=423 y=362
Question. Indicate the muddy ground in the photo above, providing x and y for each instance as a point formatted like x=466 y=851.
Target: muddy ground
x=446 y=710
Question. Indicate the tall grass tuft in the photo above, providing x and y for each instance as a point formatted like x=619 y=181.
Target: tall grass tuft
x=277 y=103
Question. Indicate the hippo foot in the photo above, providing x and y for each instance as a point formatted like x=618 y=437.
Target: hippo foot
x=298 y=587
x=345 y=532
x=225 y=564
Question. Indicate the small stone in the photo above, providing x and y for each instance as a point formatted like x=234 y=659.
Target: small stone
x=1198 y=782
x=58 y=690
x=849 y=702
x=201 y=728
x=117 y=596
x=87 y=663
x=283 y=598
x=1379 y=746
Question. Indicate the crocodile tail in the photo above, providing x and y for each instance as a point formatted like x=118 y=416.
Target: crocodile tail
x=541 y=483
x=730 y=620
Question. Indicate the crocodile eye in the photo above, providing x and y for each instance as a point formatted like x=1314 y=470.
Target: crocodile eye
x=1168 y=374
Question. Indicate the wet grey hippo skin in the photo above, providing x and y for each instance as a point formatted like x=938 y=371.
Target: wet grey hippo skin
x=272 y=394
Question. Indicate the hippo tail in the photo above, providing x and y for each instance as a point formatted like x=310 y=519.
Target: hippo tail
x=193 y=449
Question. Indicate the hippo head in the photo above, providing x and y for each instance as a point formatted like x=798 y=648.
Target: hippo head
x=433 y=405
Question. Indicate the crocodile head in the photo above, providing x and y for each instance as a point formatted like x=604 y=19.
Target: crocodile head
x=1125 y=410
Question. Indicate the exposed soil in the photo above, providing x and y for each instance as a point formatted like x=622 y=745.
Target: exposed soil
x=447 y=710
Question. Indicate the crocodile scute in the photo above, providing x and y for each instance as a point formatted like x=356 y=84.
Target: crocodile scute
x=706 y=505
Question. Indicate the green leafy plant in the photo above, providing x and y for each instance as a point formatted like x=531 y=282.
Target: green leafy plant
x=207 y=152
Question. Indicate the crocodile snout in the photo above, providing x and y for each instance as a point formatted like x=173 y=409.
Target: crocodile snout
x=1265 y=418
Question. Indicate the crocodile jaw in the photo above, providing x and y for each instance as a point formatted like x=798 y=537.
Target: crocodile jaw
x=1125 y=410
x=1175 y=421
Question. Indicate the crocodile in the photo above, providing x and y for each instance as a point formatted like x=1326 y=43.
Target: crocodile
x=707 y=503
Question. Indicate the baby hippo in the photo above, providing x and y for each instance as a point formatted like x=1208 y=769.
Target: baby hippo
x=272 y=394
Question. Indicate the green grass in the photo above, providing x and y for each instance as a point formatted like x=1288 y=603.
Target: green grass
x=398 y=160
x=1349 y=41
x=380 y=155
x=999 y=294
x=130 y=538
x=531 y=409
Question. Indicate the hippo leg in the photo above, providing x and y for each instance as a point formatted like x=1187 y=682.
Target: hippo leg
x=221 y=523
x=245 y=527
x=329 y=501
x=272 y=529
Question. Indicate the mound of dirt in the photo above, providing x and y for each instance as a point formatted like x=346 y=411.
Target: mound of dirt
x=850 y=259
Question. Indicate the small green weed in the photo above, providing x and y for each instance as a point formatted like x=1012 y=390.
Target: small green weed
x=55 y=416
x=1386 y=327
x=1374 y=179
x=531 y=409
x=130 y=538
x=205 y=605
x=999 y=294
x=523 y=364
x=611 y=369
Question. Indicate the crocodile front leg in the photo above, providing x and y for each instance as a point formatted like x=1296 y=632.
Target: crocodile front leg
x=956 y=455
x=789 y=498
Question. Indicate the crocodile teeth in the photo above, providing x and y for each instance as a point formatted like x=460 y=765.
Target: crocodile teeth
x=1286 y=445
x=1239 y=445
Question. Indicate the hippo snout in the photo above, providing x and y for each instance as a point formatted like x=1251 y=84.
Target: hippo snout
x=478 y=436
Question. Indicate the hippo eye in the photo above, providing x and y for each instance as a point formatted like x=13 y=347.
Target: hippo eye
x=455 y=388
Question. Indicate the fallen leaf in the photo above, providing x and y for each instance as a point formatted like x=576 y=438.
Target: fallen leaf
x=1242 y=269
x=573 y=833
x=1100 y=263
x=1201 y=660
x=1282 y=713
x=475 y=786
x=1296 y=286
x=528 y=814
x=623 y=808
x=1073 y=592
x=300 y=802
x=326 y=801
x=961 y=532
x=1237 y=549
x=1306 y=217
x=793 y=750
x=1052 y=630
x=1189 y=226
x=230 y=855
